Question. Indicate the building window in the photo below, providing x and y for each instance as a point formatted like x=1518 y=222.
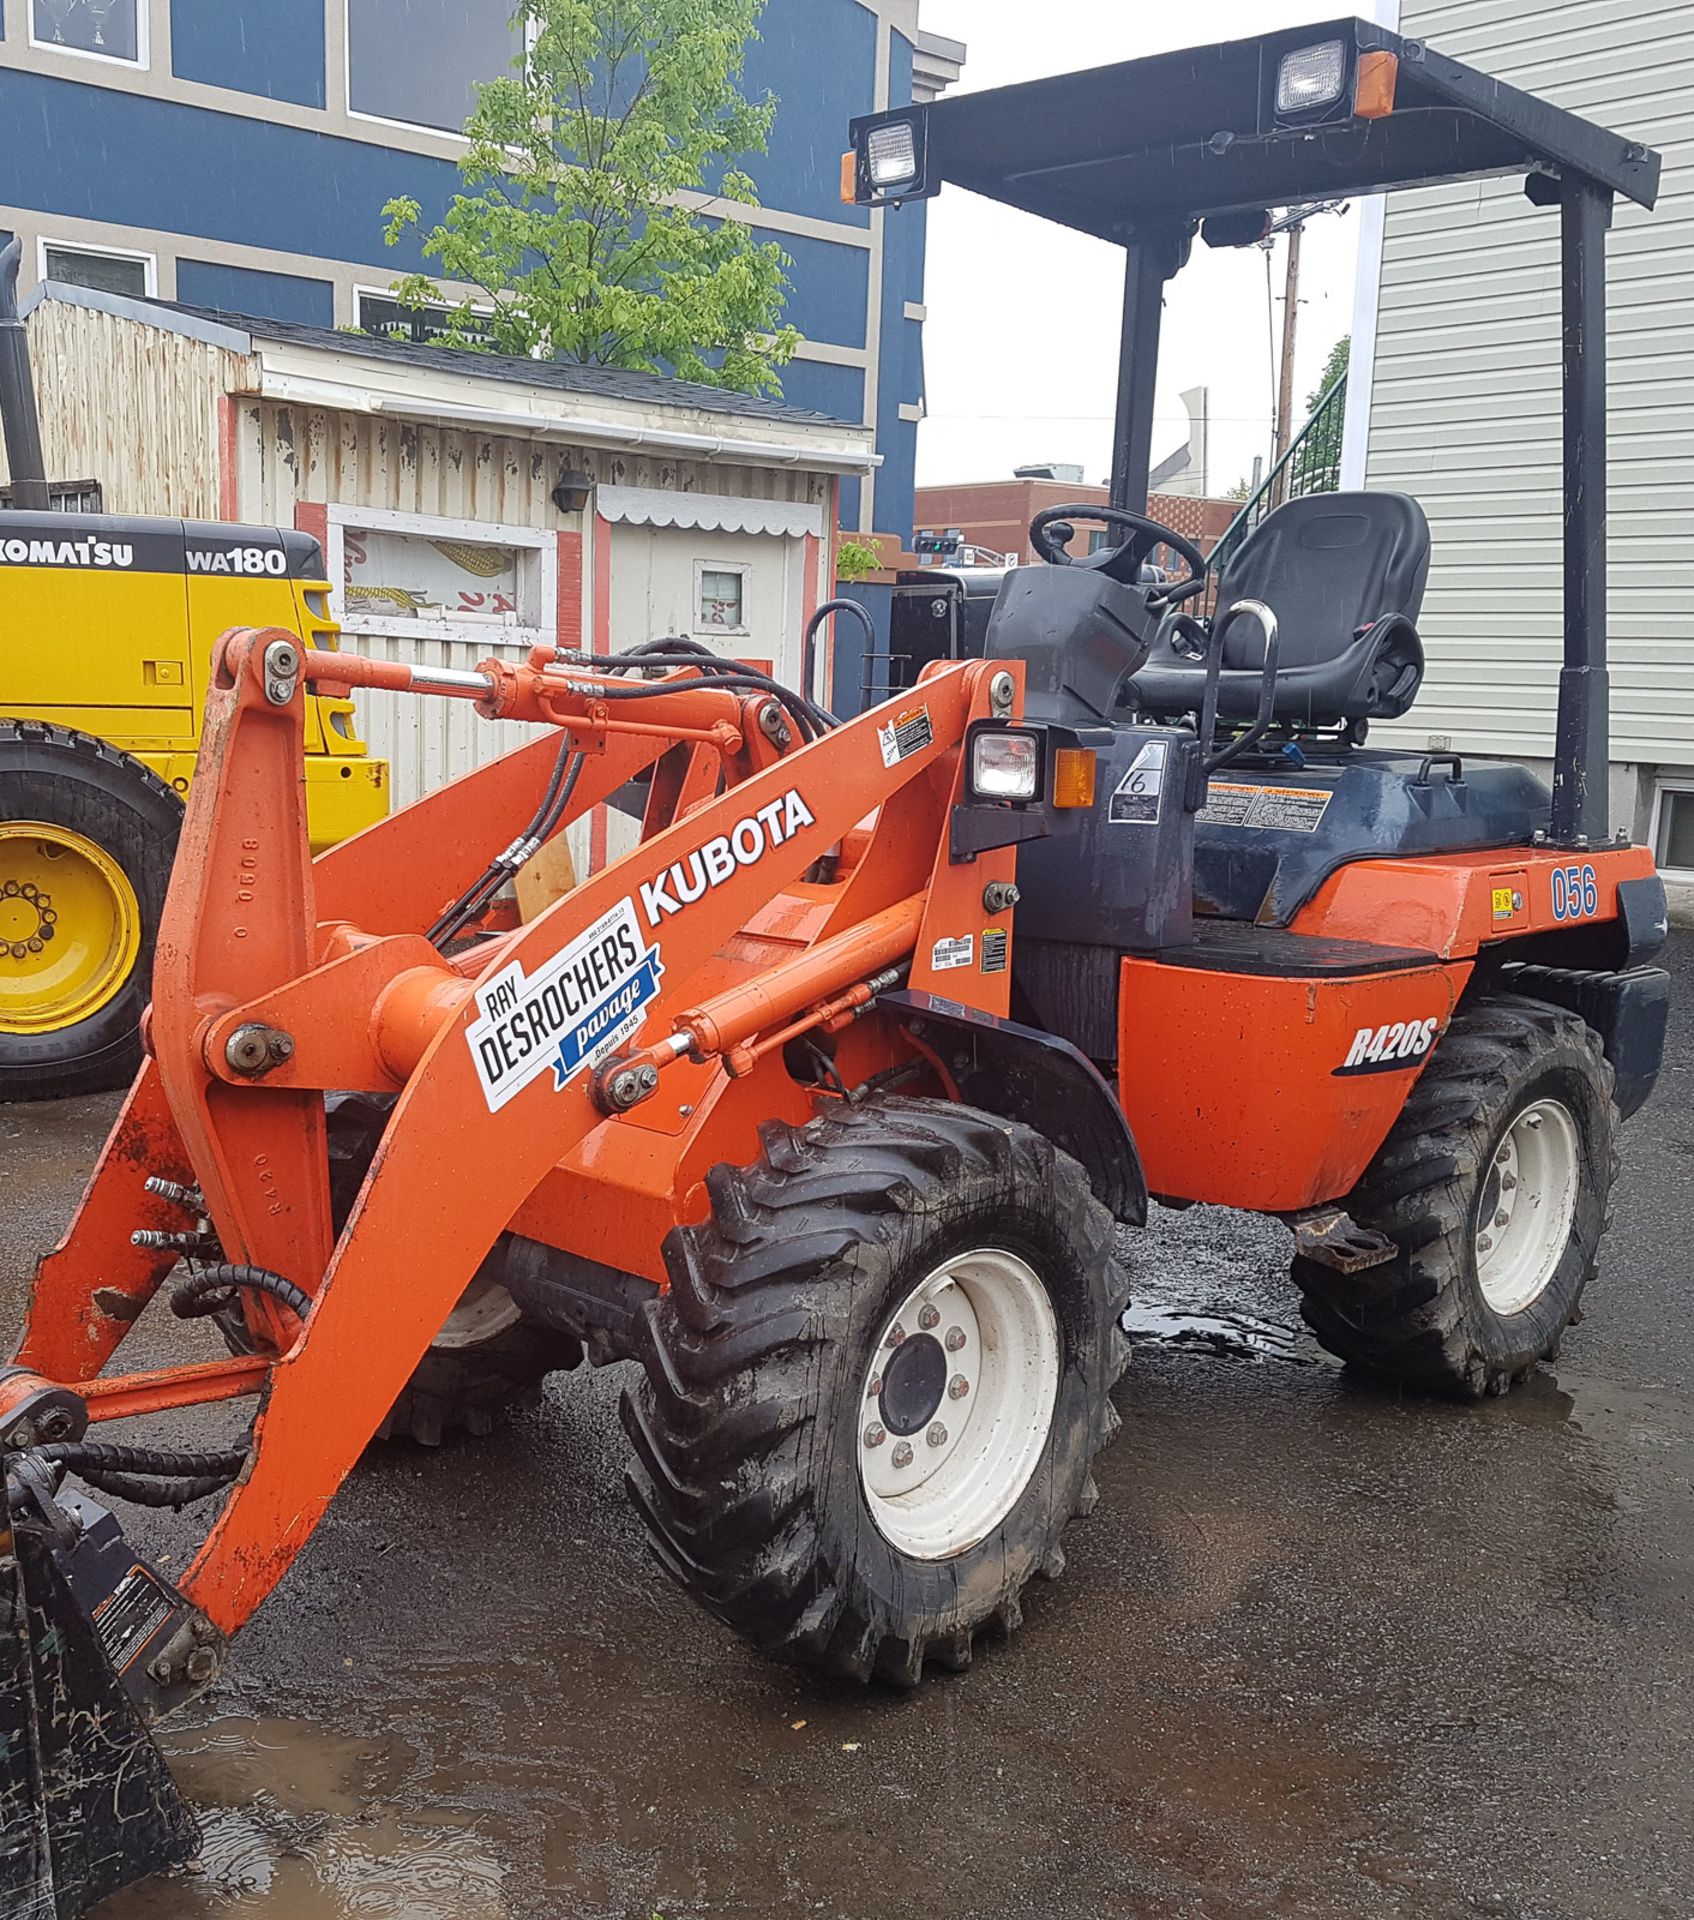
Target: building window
x=721 y=599
x=108 y=269
x=103 y=29
x=381 y=313
x=411 y=573
x=418 y=61
x=1673 y=829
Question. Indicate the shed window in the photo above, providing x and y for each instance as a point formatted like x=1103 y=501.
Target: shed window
x=408 y=576
x=109 y=29
x=418 y=61
x=723 y=600
x=100 y=267
x=1674 y=841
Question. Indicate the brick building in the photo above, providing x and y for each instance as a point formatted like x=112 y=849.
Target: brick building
x=997 y=513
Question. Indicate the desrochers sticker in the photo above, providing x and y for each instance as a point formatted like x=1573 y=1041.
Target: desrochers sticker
x=584 y=1002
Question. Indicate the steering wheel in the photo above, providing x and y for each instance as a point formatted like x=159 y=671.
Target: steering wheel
x=1122 y=562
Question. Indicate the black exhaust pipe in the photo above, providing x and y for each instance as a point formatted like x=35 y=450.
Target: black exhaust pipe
x=18 y=417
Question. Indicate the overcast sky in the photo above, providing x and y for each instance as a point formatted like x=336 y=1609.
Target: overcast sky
x=1021 y=345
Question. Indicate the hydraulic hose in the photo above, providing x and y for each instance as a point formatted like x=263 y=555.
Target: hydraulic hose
x=213 y=1288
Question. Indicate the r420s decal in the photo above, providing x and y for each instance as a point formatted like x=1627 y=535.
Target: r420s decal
x=1390 y=1049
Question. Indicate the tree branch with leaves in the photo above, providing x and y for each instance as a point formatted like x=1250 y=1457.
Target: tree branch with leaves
x=604 y=216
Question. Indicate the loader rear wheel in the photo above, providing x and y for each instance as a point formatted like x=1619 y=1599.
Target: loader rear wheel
x=874 y=1392
x=1495 y=1185
x=87 y=836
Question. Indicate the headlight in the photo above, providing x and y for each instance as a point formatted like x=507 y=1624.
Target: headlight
x=1311 y=77
x=891 y=154
x=1005 y=766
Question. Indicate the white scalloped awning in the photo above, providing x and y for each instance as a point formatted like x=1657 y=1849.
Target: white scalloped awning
x=712 y=512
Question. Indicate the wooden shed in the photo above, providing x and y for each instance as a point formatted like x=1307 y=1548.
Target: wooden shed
x=469 y=504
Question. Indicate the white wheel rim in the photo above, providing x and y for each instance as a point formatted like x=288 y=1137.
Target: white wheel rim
x=1526 y=1207
x=485 y=1310
x=957 y=1403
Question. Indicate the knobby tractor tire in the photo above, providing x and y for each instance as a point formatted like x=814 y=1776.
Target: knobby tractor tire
x=81 y=791
x=471 y=1387
x=1423 y=1318
x=747 y=1423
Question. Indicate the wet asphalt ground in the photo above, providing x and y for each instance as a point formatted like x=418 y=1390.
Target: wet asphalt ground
x=1320 y=1652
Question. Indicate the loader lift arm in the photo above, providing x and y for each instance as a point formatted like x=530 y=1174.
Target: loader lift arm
x=708 y=946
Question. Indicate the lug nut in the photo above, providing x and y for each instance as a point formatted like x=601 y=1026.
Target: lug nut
x=955 y=1339
x=958 y=1387
x=937 y=1435
x=875 y=1434
x=896 y=1334
x=929 y=1317
x=874 y=1389
x=1507 y=1182
x=1502 y=1218
x=1502 y=1156
x=1483 y=1242
x=902 y=1454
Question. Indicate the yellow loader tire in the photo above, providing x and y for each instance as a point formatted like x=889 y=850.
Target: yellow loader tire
x=87 y=837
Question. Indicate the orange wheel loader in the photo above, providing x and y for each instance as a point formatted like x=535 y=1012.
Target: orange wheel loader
x=820 y=1105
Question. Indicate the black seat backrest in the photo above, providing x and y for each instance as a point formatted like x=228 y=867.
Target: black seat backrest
x=1327 y=564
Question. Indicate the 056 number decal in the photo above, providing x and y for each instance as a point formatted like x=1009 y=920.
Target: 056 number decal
x=1576 y=893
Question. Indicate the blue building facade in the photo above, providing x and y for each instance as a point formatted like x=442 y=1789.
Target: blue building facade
x=237 y=154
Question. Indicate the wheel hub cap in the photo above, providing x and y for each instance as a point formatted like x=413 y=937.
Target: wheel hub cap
x=957 y=1403
x=1526 y=1207
x=914 y=1383
x=70 y=927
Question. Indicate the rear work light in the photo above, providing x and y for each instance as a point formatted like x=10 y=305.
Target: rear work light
x=891 y=155
x=1005 y=766
x=1311 y=78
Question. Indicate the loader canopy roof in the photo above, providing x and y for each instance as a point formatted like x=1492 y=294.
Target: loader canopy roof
x=1309 y=113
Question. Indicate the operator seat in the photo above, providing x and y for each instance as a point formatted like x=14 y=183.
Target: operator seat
x=1344 y=574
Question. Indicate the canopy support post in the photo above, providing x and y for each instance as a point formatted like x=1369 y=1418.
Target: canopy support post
x=1582 y=756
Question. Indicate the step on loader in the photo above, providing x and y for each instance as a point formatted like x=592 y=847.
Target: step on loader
x=822 y=1104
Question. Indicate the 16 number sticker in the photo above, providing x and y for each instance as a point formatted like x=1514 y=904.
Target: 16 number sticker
x=1576 y=893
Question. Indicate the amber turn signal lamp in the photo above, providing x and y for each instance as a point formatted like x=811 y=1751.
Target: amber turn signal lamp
x=1373 y=96
x=849 y=179
x=1073 y=777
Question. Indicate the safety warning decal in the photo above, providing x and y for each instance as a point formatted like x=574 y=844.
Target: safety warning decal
x=585 y=1001
x=1135 y=803
x=1281 y=809
x=907 y=733
x=137 y=1607
x=995 y=946
x=960 y=951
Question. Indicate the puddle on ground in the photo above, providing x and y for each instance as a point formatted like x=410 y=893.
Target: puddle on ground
x=1226 y=1336
x=306 y=1825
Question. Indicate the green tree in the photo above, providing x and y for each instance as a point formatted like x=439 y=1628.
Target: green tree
x=1334 y=368
x=588 y=217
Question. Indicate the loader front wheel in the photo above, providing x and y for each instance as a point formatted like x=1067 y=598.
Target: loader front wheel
x=87 y=836
x=489 y=1360
x=1495 y=1186
x=873 y=1394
